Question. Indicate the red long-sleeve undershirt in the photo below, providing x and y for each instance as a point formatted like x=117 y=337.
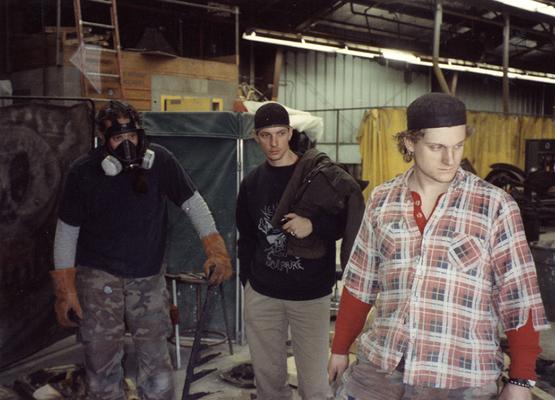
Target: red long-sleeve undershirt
x=524 y=345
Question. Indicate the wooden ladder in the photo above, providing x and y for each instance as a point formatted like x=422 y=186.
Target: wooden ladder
x=99 y=50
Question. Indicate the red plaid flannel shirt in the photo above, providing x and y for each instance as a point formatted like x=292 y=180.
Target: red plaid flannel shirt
x=443 y=292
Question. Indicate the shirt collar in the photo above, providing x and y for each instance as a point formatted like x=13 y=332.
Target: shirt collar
x=457 y=182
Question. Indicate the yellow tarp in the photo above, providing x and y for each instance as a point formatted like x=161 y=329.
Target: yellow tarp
x=497 y=138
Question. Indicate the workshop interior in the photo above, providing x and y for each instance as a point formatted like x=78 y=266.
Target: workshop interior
x=197 y=71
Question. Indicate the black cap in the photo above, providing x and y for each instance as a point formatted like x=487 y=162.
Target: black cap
x=270 y=114
x=435 y=110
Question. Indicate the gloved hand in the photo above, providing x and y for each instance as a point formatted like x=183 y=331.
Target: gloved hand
x=217 y=267
x=66 y=296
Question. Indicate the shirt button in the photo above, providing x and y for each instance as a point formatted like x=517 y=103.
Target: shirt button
x=419 y=215
x=417 y=202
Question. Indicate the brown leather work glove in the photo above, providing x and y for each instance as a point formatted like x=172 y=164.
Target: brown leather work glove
x=66 y=296
x=217 y=267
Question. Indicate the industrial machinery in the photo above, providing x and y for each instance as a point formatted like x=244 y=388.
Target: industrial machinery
x=534 y=188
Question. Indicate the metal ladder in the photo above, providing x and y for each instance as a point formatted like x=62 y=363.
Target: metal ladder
x=99 y=64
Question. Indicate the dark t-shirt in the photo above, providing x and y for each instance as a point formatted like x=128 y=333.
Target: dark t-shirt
x=262 y=248
x=121 y=231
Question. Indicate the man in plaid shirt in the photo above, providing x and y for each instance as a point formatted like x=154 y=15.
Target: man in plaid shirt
x=447 y=253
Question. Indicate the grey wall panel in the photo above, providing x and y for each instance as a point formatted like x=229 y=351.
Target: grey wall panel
x=485 y=94
x=317 y=81
x=321 y=81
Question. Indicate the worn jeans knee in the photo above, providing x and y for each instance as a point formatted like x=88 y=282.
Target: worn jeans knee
x=160 y=386
x=104 y=370
x=99 y=389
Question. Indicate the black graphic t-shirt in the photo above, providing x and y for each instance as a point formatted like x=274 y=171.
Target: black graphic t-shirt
x=262 y=248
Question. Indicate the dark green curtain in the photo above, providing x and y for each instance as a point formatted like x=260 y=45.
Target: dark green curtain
x=206 y=146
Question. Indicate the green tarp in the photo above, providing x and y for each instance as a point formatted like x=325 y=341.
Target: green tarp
x=207 y=145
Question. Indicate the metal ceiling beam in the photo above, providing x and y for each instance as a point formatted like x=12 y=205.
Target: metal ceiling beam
x=388 y=19
x=512 y=11
x=527 y=51
x=506 y=39
x=423 y=27
x=378 y=39
x=416 y=11
x=364 y=29
x=437 y=33
x=267 y=5
x=165 y=11
x=290 y=15
x=229 y=9
x=303 y=26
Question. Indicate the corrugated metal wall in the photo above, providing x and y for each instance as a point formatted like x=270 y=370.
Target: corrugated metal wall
x=320 y=81
x=482 y=93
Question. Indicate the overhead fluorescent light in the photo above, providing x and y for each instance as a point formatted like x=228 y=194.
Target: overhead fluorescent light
x=497 y=71
x=351 y=52
x=476 y=70
x=317 y=47
x=399 y=55
x=302 y=44
x=531 y=6
x=307 y=43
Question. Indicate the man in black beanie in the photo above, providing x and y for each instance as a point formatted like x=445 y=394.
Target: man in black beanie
x=447 y=253
x=287 y=256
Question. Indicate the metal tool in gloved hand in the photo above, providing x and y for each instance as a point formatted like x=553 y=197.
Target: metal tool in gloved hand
x=217 y=267
x=68 y=309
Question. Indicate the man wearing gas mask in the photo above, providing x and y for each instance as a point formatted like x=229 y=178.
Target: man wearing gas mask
x=108 y=251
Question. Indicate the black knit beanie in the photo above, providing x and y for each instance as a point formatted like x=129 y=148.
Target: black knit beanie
x=270 y=114
x=435 y=110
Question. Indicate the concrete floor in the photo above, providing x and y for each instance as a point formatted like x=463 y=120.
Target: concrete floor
x=68 y=351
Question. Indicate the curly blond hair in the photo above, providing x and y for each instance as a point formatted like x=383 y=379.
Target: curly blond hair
x=414 y=135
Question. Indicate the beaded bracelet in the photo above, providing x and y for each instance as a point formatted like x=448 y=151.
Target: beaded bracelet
x=520 y=382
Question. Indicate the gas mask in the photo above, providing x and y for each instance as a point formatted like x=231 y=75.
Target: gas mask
x=126 y=151
x=127 y=156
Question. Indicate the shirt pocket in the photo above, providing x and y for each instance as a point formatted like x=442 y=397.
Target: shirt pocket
x=391 y=237
x=465 y=253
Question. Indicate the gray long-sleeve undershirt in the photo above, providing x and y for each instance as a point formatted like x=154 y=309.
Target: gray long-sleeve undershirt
x=197 y=210
x=65 y=245
x=65 y=240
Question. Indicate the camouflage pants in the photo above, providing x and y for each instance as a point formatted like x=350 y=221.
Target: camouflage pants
x=110 y=306
x=365 y=381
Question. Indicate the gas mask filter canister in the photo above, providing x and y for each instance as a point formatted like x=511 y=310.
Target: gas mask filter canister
x=113 y=166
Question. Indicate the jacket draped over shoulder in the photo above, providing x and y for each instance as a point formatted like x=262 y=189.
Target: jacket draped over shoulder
x=321 y=187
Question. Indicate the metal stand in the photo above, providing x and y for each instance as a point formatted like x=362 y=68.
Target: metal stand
x=203 y=318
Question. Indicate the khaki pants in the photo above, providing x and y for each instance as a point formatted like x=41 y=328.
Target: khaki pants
x=267 y=322
x=365 y=381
